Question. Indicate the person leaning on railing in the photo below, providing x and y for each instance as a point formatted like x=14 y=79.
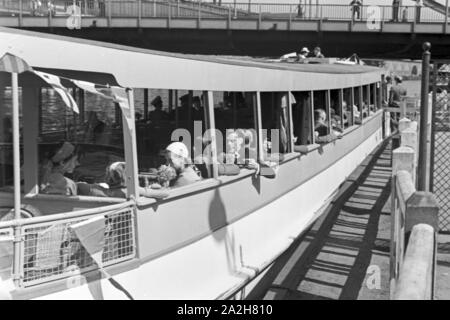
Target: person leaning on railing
x=396 y=95
x=115 y=187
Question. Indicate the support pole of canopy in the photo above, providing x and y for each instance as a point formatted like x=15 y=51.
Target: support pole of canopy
x=145 y=104
x=129 y=132
x=16 y=153
x=212 y=127
x=328 y=109
x=352 y=103
x=258 y=121
x=234 y=110
x=341 y=107
x=290 y=131
x=311 y=118
x=16 y=142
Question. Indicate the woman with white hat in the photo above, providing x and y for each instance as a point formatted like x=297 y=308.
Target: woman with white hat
x=303 y=53
x=177 y=156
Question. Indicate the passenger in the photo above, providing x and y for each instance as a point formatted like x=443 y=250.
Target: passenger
x=303 y=53
x=396 y=95
x=177 y=156
x=94 y=128
x=116 y=180
x=318 y=53
x=53 y=179
x=387 y=85
x=235 y=154
x=157 y=115
x=321 y=128
x=197 y=108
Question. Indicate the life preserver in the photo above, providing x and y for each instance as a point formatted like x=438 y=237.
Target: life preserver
x=26 y=211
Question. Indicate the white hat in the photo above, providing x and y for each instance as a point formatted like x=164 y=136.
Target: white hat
x=304 y=49
x=179 y=149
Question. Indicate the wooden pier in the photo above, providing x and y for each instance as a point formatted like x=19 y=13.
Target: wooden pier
x=345 y=255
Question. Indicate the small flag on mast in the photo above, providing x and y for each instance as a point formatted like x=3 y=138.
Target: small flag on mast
x=13 y=64
x=55 y=82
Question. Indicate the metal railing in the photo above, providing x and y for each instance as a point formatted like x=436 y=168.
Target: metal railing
x=237 y=10
x=414 y=223
x=50 y=250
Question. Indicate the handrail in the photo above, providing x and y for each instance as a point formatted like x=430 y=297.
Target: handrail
x=241 y=10
x=413 y=213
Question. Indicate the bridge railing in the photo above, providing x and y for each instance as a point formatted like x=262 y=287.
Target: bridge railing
x=237 y=10
x=414 y=222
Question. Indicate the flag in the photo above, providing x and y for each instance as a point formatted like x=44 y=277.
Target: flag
x=55 y=82
x=120 y=96
x=117 y=94
x=90 y=87
x=13 y=64
x=91 y=234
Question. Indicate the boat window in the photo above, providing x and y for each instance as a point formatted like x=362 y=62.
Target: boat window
x=76 y=149
x=375 y=90
x=236 y=137
x=302 y=118
x=357 y=105
x=168 y=116
x=347 y=104
x=275 y=122
x=366 y=101
x=336 y=114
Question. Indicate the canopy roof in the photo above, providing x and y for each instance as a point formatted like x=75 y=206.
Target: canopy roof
x=139 y=68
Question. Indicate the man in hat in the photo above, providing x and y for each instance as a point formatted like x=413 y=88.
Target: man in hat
x=303 y=53
x=157 y=115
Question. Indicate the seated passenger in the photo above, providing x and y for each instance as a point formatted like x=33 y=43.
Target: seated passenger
x=116 y=180
x=53 y=170
x=94 y=129
x=178 y=158
x=321 y=128
x=235 y=158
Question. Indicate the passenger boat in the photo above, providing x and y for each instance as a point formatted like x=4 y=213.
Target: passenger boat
x=209 y=239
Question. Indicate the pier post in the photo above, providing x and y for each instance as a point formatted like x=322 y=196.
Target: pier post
x=146 y=104
x=424 y=150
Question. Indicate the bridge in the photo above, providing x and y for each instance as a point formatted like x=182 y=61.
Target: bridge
x=240 y=28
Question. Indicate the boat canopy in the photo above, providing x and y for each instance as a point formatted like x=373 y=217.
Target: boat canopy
x=140 y=68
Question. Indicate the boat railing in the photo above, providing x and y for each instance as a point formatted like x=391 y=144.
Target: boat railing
x=50 y=249
x=414 y=221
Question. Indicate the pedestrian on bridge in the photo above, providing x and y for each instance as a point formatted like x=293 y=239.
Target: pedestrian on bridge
x=419 y=5
x=300 y=9
x=395 y=10
x=356 y=9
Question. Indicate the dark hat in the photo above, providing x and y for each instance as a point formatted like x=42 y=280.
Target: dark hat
x=156 y=101
x=196 y=99
x=184 y=98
